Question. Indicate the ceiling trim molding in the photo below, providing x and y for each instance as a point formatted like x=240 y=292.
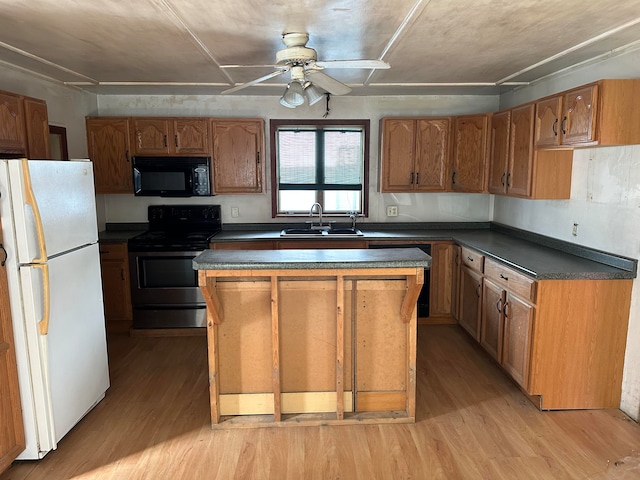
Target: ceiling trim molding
x=563 y=53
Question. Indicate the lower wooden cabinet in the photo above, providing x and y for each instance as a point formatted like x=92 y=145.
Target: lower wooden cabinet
x=470 y=301
x=441 y=272
x=506 y=330
x=12 y=440
x=114 y=261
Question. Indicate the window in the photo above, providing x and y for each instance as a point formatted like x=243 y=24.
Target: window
x=324 y=161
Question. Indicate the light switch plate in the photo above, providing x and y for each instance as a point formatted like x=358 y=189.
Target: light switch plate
x=392 y=211
x=235 y=212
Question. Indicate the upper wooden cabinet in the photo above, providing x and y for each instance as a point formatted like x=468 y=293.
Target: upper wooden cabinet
x=511 y=152
x=12 y=131
x=499 y=152
x=237 y=157
x=24 y=126
x=164 y=136
x=108 y=144
x=470 y=151
x=37 y=128
x=601 y=113
x=414 y=154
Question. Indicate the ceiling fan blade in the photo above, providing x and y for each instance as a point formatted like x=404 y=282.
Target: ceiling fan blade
x=253 y=82
x=330 y=84
x=353 y=64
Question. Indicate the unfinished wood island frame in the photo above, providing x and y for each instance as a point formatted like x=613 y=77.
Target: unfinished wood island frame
x=311 y=337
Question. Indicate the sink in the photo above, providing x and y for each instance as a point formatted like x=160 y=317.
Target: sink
x=318 y=233
x=344 y=231
x=300 y=231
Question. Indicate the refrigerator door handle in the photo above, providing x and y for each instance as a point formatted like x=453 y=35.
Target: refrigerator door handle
x=31 y=201
x=46 y=308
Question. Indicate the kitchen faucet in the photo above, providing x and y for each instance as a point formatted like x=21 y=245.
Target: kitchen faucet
x=311 y=212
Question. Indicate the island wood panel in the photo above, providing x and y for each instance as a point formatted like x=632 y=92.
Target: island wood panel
x=388 y=298
x=308 y=336
x=381 y=346
x=579 y=341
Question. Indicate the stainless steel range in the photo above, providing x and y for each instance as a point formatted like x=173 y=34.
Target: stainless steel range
x=164 y=285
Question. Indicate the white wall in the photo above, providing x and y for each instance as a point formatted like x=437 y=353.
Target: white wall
x=257 y=208
x=605 y=201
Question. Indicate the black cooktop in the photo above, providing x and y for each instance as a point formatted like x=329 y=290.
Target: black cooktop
x=178 y=228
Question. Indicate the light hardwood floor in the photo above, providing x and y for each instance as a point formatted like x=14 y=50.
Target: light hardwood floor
x=472 y=422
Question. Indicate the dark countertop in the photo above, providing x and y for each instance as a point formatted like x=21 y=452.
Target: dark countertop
x=541 y=257
x=121 y=232
x=336 y=259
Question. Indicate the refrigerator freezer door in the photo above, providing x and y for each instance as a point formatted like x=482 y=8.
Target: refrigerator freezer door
x=72 y=356
x=65 y=197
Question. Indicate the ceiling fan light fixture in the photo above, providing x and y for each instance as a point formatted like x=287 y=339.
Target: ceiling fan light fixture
x=294 y=94
x=312 y=93
x=284 y=103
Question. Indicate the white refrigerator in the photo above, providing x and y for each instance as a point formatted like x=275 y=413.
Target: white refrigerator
x=48 y=215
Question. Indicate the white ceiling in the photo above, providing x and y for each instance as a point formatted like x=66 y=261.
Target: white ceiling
x=207 y=46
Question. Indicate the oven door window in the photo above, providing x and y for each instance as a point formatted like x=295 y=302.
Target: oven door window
x=167 y=272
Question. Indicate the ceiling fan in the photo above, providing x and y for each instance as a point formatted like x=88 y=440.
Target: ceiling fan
x=306 y=72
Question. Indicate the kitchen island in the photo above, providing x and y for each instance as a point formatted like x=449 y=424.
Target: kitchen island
x=310 y=337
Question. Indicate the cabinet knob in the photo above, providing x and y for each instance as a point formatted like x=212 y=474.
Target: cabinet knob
x=411 y=178
x=554 y=127
x=498 y=306
x=563 y=125
x=418 y=178
x=502 y=178
x=504 y=278
x=469 y=258
x=175 y=139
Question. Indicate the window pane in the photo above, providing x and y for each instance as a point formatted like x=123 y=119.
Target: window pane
x=296 y=200
x=342 y=200
x=343 y=157
x=297 y=156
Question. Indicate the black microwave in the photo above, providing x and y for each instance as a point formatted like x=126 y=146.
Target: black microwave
x=172 y=176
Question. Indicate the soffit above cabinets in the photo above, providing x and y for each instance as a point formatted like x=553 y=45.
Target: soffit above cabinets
x=205 y=47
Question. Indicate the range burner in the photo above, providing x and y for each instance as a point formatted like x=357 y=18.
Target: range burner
x=178 y=228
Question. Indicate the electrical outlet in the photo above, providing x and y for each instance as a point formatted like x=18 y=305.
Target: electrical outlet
x=235 y=212
x=574 y=232
x=392 y=211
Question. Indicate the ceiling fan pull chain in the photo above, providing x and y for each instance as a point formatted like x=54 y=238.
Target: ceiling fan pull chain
x=326 y=113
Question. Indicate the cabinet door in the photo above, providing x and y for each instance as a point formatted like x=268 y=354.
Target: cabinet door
x=190 y=136
x=108 y=143
x=150 y=136
x=398 y=154
x=37 y=123
x=237 y=156
x=499 y=152
x=455 y=281
x=12 y=435
x=116 y=287
x=547 y=125
x=12 y=137
x=432 y=147
x=441 y=278
x=579 y=121
x=470 y=153
x=470 y=301
x=492 y=321
x=521 y=151
x=516 y=350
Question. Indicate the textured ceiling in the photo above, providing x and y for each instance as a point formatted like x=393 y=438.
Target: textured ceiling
x=207 y=46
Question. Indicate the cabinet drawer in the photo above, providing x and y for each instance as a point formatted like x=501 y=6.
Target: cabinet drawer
x=113 y=251
x=513 y=281
x=472 y=259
